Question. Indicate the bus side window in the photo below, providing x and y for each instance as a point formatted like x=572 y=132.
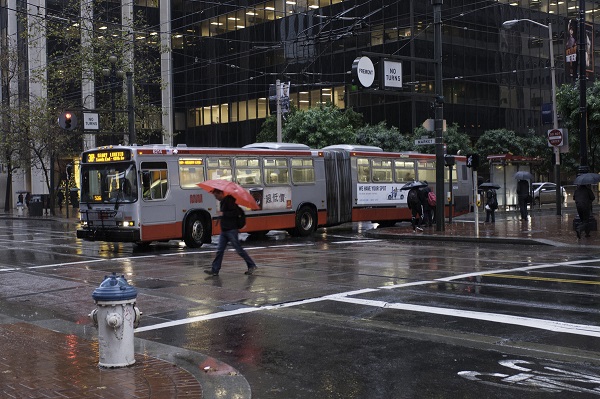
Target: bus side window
x=405 y=171
x=247 y=171
x=155 y=183
x=219 y=169
x=303 y=171
x=276 y=171
x=191 y=172
x=363 y=170
x=382 y=170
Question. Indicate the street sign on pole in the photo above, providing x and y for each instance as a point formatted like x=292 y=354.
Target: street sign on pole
x=429 y=125
x=424 y=141
x=555 y=137
x=90 y=121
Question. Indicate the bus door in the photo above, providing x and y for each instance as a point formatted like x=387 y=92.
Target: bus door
x=339 y=186
x=157 y=213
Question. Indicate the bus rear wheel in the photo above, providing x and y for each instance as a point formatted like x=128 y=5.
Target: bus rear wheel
x=306 y=222
x=194 y=233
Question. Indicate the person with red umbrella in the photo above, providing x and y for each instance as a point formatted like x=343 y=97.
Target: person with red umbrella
x=229 y=233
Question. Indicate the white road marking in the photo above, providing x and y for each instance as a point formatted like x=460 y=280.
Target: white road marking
x=549 y=325
x=353 y=241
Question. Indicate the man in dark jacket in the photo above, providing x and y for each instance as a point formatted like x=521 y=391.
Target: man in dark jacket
x=491 y=204
x=414 y=204
x=424 y=199
x=523 y=194
x=229 y=233
x=583 y=197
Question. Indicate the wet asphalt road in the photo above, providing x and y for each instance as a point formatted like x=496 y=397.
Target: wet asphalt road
x=338 y=315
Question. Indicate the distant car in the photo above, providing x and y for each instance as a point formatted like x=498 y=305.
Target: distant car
x=545 y=193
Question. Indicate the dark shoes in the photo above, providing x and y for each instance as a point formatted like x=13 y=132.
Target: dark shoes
x=250 y=270
x=210 y=271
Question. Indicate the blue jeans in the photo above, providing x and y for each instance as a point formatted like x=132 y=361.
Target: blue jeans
x=232 y=237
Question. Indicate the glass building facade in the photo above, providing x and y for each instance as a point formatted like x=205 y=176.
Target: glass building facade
x=225 y=57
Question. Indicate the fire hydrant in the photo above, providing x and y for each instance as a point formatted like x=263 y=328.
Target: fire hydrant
x=115 y=317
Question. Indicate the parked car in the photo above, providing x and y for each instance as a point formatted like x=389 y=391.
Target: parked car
x=545 y=193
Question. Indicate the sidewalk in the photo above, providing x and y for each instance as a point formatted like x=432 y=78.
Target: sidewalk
x=39 y=363
x=543 y=227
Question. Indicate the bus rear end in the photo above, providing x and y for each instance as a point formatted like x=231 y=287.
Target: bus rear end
x=109 y=196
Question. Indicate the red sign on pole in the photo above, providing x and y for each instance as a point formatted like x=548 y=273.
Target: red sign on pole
x=555 y=137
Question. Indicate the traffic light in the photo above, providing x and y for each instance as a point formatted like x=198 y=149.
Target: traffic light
x=67 y=120
x=472 y=161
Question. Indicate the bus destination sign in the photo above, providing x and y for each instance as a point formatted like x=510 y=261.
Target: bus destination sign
x=108 y=156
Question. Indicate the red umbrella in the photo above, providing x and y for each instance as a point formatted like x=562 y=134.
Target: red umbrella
x=241 y=195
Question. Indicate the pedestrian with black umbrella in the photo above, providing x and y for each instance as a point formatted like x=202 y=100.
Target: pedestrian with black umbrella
x=584 y=197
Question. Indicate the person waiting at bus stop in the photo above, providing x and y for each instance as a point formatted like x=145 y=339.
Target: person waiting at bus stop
x=414 y=204
x=584 y=197
x=523 y=195
x=229 y=233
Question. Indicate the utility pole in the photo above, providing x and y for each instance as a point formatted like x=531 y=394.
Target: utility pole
x=278 y=99
x=439 y=115
x=581 y=47
x=130 y=109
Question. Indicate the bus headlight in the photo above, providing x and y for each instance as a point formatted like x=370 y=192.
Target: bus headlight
x=128 y=223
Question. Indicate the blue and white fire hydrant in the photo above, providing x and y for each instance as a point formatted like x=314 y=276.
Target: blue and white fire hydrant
x=115 y=317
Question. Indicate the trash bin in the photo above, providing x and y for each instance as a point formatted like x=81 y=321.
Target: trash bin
x=36 y=206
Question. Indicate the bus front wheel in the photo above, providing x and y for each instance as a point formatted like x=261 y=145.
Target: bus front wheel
x=306 y=222
x=195 y=230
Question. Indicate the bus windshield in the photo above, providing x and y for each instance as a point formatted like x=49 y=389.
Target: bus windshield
x=109 y=183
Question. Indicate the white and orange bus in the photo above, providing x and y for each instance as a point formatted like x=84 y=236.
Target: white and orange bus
x=149 y=193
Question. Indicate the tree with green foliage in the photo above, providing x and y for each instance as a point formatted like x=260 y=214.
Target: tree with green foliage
x=567 y=103
x=316 y=127
x=504 y=141
x=495 y=142
x=30 y=135
x=389 y=139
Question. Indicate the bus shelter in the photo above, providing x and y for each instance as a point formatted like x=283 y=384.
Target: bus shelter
x=502 y=171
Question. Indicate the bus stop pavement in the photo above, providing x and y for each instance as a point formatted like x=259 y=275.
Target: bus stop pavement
x=543 y=227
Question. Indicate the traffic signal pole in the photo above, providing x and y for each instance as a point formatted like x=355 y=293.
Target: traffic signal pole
x=439 y=116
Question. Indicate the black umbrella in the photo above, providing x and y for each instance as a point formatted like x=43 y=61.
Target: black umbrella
x=587 y=178
x=495 y=186
x=523 y=175
x=413 y=184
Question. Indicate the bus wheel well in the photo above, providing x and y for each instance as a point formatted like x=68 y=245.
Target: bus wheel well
x=196 y=229
x=306 y=221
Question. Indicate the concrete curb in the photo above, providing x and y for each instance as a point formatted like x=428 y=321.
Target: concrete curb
x=481 y=240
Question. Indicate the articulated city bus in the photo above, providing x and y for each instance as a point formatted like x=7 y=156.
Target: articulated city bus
x=149 y=193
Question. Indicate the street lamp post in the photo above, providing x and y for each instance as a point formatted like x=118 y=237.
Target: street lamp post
x=112 y=75
x=508 y=25
x=581 y=49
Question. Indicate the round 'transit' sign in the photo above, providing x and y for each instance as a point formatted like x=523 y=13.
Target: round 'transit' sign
x=364 y=71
